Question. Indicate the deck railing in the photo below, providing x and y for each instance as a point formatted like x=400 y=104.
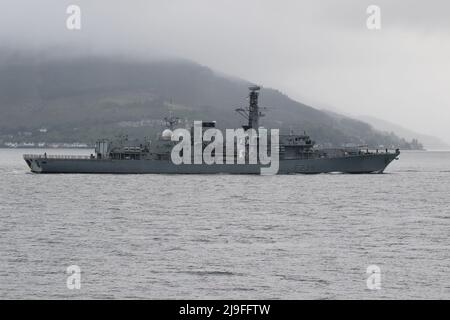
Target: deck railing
x=375 y=151
x=44 y=156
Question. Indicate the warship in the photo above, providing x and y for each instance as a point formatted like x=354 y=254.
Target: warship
x=296 y=153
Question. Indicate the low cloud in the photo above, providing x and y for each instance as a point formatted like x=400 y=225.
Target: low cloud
x=319 y=52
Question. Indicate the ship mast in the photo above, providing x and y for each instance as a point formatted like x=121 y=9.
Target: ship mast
x=251 y=113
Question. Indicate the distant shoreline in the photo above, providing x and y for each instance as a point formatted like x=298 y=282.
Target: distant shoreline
x=48 y=147
x=43 y=148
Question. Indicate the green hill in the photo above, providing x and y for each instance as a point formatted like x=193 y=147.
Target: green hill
x=84 y=98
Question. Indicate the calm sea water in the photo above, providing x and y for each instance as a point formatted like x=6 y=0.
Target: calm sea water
x=250 y=237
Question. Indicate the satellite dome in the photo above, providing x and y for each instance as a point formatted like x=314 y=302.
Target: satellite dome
x=166 y=134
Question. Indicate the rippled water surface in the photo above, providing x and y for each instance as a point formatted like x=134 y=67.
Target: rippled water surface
x=220 y=236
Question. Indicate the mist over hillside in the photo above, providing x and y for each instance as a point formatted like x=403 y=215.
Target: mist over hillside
x=85 y=98
x=429 y=142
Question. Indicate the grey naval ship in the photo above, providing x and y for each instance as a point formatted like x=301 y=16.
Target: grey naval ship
x=296 y=154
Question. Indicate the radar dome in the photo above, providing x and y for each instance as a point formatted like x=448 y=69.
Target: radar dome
x=166 y=134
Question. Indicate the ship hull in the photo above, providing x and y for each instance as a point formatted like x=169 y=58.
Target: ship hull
x=365 y=163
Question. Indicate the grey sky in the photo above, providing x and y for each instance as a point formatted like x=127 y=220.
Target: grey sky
x=317 y=51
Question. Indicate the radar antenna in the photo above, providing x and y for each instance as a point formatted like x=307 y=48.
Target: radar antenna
x=171 y=121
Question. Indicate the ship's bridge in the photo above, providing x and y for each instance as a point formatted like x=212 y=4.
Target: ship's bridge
x=296 y=140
